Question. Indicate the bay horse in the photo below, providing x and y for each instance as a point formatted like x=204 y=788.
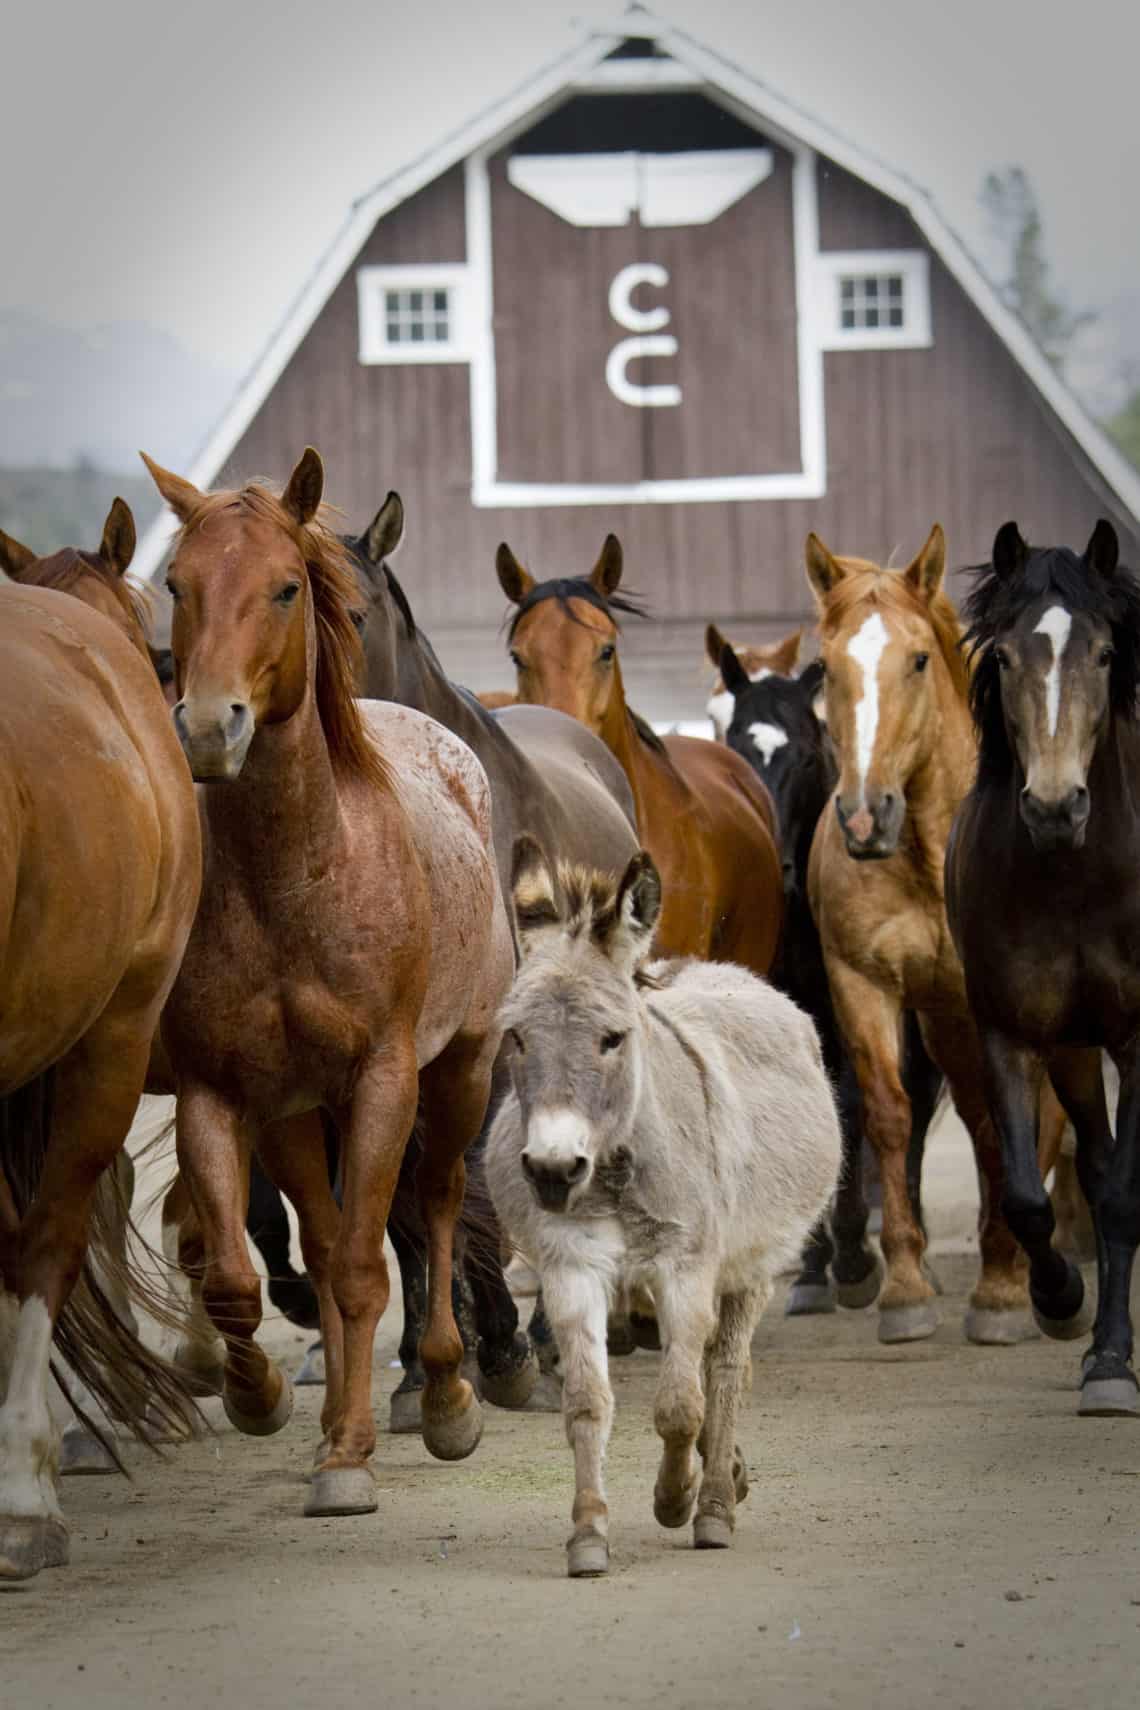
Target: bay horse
x=100 y=869
x=896 y=688
x=778 y=659
x=1043 y=893
x=350 y=953
x=702 y=813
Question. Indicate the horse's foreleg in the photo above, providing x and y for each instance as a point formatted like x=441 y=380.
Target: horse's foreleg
x=687 y=1315
x=725 y=1480
x=200 y=1353
x=411 y=1256
x=576 y=1303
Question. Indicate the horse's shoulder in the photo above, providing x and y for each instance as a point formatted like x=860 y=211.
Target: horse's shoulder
x=424 y=754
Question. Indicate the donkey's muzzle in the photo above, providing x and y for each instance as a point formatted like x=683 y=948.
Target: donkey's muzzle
x=215 y=736
x=1056 y=825
x=871 y=833
x=552 y=1179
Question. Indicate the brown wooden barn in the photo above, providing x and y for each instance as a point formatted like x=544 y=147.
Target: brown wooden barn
x=646 y=293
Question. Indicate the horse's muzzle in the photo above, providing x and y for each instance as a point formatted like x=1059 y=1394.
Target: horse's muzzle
x=872 y=833
x=215 y=736
x=1056 y=825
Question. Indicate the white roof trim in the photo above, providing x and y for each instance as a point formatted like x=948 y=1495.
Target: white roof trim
x=757 y=101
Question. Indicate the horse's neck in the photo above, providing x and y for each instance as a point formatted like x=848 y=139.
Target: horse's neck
x=941 y=777
x=621 y=737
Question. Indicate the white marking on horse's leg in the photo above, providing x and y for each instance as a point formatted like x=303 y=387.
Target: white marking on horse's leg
x=1056 y=623
x=557 y=1136
x=866 y=648
x=767 y=738
x=201 y=1349
x=29 y=1445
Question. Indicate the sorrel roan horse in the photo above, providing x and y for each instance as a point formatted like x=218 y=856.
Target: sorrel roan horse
x=350 y=953
x=100 y=867
x=896 y=685
x=702 y=813
x=1043 y=893
x=777 y=660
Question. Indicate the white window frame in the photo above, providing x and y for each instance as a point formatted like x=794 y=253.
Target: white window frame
x=371 y=285
x=911 y=265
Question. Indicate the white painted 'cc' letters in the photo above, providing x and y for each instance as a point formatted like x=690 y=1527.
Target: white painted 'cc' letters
x=641 y=322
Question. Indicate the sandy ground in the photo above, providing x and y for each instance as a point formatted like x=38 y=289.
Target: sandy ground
x=926 y=1526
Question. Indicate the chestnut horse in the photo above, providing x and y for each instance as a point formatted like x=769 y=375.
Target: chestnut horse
x=779 y=659
x=100 y=867
x=1043 y=892
x=896 y=692
x=349 y=955
x=702 y=813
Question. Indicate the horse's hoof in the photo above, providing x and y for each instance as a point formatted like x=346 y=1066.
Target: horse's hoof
x=739 y=1474
x=853 y=1296
x=546 y=1396
x=81 y=1452
x=405 y=1412
x=1066 y=1329
x=261 y=1424
x=672 y=1510
x=312 y=1366
x=620 y=1339
x=805 y=1299
x=1065 y=1312
x=1109 y=1398
x=513 y=1383
x=341 y=1490
x=587 y=1557
x=646 y=1332
x=994 y=1329
x=907 y=1323
x=30 y=1543
x=201 y=1378
x=711 y=1532
x=456 y=1435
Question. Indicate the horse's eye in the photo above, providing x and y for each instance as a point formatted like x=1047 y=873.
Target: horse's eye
x=1105 y=656
x=606 y=653
x=359 y=620
x=920 y=662
x=1002 y=658
x=173 y=590
x=515 y=660
x=288 y=594
x=611 y=1041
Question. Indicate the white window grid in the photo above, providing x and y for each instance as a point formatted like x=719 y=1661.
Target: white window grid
x=872 y=299
x=418 y=316
x=413 y=313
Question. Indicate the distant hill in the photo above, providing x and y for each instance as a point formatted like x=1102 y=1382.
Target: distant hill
x=49 y=508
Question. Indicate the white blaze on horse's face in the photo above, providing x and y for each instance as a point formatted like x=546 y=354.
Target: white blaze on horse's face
x=766 y=738
x=1057 y=624
x=867 y=647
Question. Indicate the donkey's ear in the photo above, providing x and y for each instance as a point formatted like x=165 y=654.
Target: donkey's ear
x=638 y=907
x=824 y=571
x=1102 y=553
x=15 y=560
x=785 y=656
x=117 y=546
x=925 y=572
x=733 y=675
x=515 y=582
x=1010 y=551
x=532 y=887
x=302 y=495
x=606 y=574
x=385 y=532
x=715 y=644
x=181 y=495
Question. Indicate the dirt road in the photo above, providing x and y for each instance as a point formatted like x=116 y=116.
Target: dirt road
x=926 y=1526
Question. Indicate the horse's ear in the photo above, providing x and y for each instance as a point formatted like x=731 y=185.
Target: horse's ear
x=715 y=644
x=15 y=560
x=515 y=582
x=606 y=574
x=638 y=910
x=1102 y=553
x=532 y=887
x=733 y=675
x=825 y=572
x=1010 y=551
x=385 y=532
x=181 y=495
x=925 y=572
x=811 y=680
x=785 y=656
x=302 y=495
x=117 y=546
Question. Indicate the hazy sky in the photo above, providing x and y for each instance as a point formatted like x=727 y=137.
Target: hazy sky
x=185 y=165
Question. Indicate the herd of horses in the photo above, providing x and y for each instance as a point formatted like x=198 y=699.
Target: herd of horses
x=535 y=978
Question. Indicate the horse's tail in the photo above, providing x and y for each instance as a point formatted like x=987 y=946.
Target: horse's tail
x=96 y=1342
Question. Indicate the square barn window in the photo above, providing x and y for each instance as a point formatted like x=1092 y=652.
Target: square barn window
x=873 y=301
x=412 y=314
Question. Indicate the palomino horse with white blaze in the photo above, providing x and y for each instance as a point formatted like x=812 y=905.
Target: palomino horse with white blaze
x=100 y=867
x=1043 y=891
x=897 y=712
x=702 y=813
x=350 y=953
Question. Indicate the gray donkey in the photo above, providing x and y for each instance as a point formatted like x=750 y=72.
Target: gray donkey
x=670 y=1126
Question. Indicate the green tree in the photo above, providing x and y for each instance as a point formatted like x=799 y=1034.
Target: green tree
x=1015 y=219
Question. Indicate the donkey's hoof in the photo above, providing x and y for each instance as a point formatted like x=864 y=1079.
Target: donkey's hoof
x=999 y=1329
x=341 y=1490
x=81 y=1452
x=587 y=1556
x=908 y=1323
x=806 y=1299
x=405 y=1413
x=646 y=1331
x=512 y=1383
x=261 y=1424
x=711 y=1532
x=546 y=1396
x=853 y=1296
x=29 y=1544
x=672 y=1509
x=620 y=1339
x=739 y=1474
x=312 y=1366
x=456 y=1434
x=201 y=1376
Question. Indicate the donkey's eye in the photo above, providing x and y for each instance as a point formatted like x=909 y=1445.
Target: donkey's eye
x=611 y=1041
x=606 y=653
x=1105 y=656
x=920 y=662
x=288 y=594
x=1002 y=658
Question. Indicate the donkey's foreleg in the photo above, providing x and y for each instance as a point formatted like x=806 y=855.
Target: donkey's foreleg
x=725 y=1480
x=576 y=1304
x=687 y=1313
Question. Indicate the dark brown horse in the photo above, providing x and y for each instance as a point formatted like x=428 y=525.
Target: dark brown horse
x=1043 y=893
x=349 y=955
x=702 y=813
x=100 y=867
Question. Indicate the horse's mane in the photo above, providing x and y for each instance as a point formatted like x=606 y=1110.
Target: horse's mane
x=893 y=590
x=994 y=605
x=567 y=588
x=65 y=569
x=332 y=581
